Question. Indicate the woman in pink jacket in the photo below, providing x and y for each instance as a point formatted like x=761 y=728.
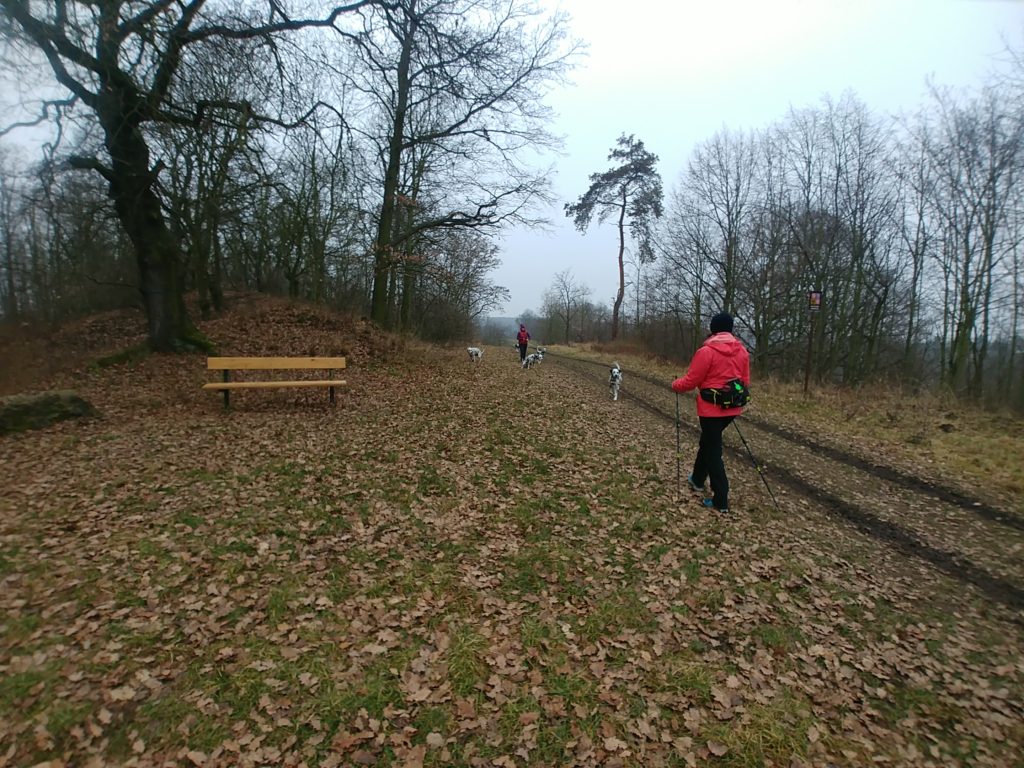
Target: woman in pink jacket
x=722 y=359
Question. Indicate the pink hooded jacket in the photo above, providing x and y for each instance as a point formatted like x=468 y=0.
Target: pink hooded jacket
x=721 y=358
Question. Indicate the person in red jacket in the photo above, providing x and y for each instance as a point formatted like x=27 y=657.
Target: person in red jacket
x=721 y=359
x=523 y=340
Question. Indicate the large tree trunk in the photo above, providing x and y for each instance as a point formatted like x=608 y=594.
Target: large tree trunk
x=138 y=209
x=382 y=250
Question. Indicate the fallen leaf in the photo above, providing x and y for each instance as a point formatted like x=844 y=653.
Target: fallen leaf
x=717 y=749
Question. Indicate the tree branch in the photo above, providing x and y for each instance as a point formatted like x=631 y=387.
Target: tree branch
x=171 y=59
x=58 y=105
x=53 y=43
x=288 y=25
x=91 y=164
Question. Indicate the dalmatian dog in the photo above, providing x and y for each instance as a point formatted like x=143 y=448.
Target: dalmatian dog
x=475 y=353
x=615 y=380
x=534 y=358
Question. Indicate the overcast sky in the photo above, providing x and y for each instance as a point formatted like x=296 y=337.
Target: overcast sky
x=673 y=72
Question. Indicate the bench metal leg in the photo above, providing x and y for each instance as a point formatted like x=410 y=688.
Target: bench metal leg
x=331 y=390
x=227 y=392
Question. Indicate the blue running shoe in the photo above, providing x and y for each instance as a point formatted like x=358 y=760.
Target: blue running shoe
x=710 y=503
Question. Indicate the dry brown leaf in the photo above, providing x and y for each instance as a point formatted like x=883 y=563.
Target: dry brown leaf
x=613 y=744
x=716 y=749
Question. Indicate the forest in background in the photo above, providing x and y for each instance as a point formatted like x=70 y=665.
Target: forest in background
x=368 y=158
x=907 y=229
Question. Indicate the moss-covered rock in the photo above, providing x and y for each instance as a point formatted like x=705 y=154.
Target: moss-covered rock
x=21 y=412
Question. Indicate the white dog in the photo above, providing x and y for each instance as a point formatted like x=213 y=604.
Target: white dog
x=475 y=353
x=534 y=358
x=615 y=380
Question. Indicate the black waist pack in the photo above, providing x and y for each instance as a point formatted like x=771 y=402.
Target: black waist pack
x=734 y=394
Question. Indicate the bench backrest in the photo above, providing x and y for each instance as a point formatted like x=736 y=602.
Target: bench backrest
x=272 y=363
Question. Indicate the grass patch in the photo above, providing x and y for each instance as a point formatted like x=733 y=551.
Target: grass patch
x=26 y=693
x=712 y=599
x=684 y=677
x=571 y=686
x=282 y=602
x=63 y=717
x=525 y=576
x=169 y=722
x=201 y=476
x=771 y=734
x=502 y=436
x=431 y=719
x=431 y=483
x=778 y=637
x=377 y=689
x=902 y=700
x=691 y=568
x=621 y=610
x=150 y=549
x=534 y=633
x=188 y=518
x=9 y=559
x=529 y=517
x=237 y=689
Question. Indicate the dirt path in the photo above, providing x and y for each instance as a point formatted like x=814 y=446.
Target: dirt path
x=968 y=540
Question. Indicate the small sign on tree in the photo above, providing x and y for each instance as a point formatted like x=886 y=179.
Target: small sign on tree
x=814 y=301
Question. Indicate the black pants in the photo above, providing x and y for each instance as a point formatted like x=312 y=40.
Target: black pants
x=522 y=351
x=709 y=465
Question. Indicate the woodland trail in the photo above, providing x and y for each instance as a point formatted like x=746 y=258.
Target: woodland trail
x=967 y=539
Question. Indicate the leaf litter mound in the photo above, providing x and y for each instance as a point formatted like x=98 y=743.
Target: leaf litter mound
x=457 y=565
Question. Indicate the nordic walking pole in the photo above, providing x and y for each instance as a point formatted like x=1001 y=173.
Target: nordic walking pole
x=677 y=447
x=756 y=466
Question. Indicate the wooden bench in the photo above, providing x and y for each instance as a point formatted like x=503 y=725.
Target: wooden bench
x=228 y=364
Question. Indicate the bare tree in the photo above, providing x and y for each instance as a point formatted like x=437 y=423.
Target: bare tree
x=765 y=287
x=631 y=192
x=864 y=202
x=917 y=231
x=720 y=177
x=685 y=246
x=564 y=300
x=464 y=79
x=456 y=291
x=976 y=157
x=208 y=177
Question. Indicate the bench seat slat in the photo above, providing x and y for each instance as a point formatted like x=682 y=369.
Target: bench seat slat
x=270 y=384
x=272 y=363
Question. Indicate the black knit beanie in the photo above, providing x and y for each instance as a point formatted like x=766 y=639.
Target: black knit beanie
x=721 y=322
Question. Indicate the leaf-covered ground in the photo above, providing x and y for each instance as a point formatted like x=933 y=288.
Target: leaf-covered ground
x=465 y=565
